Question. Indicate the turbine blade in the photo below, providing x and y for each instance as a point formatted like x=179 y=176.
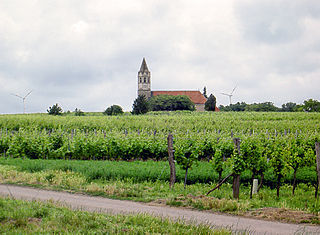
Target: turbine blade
x=17 y=95
x=27 y=94
x=233 y=90
x=225 y=94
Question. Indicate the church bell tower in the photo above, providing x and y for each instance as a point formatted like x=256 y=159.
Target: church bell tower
x=144 y=84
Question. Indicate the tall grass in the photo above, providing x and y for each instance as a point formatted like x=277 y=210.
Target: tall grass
x=159 y=191
x=140 y=171
x=20 y=217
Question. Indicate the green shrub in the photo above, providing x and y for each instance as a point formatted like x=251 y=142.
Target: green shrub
x=55 y=110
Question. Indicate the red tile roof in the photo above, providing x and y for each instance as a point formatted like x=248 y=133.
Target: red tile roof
x=195 y=96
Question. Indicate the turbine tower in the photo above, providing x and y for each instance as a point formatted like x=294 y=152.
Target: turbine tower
x=23 y=100
x=230 y=95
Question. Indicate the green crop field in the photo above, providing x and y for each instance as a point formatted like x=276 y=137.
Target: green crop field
x=179 y=121
x=284 y=142
x=276 y=148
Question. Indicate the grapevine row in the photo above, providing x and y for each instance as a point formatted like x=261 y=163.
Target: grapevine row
x=195 y=122
x=258 y=152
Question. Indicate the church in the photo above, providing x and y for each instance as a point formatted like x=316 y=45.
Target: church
x=144 y=88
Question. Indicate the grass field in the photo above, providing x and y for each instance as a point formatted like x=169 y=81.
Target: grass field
x=140 y=171
x=158 y=191
x=20 y=217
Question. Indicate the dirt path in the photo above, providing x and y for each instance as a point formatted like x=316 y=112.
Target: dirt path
x=99 y=204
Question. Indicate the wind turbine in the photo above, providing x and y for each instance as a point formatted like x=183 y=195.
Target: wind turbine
x=231 y=94
x=23 y=100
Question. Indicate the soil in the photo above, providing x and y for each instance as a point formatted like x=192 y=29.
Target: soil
x=283 y=215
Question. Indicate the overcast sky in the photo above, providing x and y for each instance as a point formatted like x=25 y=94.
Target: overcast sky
x=86 y=53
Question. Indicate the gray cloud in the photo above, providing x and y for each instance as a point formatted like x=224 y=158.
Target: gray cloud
x=86 y=54
x=275 y=21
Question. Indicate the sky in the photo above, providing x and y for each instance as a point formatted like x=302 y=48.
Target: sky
x=86 y=54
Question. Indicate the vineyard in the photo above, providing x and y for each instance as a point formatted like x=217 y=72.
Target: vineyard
x=280 y=144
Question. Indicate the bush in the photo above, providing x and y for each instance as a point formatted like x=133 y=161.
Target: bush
x=78 y=112
x=55 y=110
x=171 y=103
x=113 y=110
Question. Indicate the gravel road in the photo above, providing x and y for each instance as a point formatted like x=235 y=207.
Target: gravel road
x=99 y=204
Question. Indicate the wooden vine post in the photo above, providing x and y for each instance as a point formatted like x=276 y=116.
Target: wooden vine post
x=317 y=145
x=171 y=161
x=236 y=177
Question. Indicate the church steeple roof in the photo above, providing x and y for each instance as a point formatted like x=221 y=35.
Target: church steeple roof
x=144 y=66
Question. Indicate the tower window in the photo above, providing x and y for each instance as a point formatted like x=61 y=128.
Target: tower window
x=145 y=80
x=140 y=80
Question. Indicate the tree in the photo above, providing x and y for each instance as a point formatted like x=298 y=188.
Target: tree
x=78 y=112
x=113 y=110
x=171 y=103
x=311 y=105
x=237 y=107
x=205 y=92
x=140 y=105
x=54 y=110
x=289 y=107
x=262 y=107
x=210 y=104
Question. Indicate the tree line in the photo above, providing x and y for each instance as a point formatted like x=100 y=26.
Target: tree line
x=142 y=105
x=309 y=105
x=56 y=110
